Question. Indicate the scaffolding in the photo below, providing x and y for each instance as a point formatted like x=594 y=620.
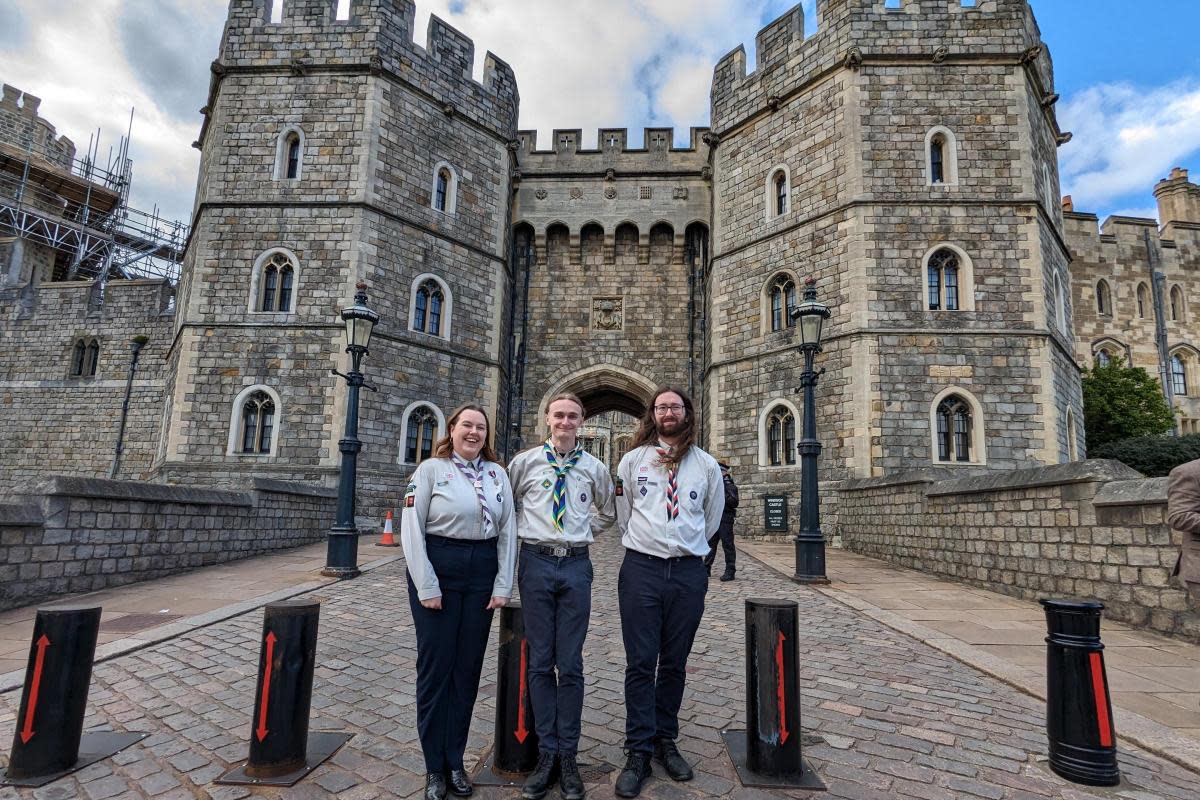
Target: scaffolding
x=81 y=210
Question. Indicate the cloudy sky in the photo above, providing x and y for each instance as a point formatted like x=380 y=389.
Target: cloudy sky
x=1128 y=72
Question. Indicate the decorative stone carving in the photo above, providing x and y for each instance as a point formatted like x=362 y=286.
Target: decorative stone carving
x=610 y=174
x=680 y=193
x=1064 y=137
x=608 y=313
x=1031 y=54
x=448 y=109
x=774 y=101
x=610 y=193
x=541 y=194
x=711 y=139
x=940 y=54
x=576 y=193
x=853 y=58
x=706 y=172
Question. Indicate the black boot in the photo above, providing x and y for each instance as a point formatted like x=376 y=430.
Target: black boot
x=637 y=769
x=542 y=777
x=435 y=786
x=459 y=783
x=569 y=780
x=728 y=576
x=667 y=754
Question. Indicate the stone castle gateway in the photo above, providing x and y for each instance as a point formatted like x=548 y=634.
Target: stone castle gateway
x=903 y=157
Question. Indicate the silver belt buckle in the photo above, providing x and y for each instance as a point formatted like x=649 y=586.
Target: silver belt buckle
x=560 y=551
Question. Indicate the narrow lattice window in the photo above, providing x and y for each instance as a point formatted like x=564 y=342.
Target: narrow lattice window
x=954 y=431
x=1177 y=309
x=78 y=356
x=781 y=437
x=422 y=430
x=258 y=423
x=783 y=297
x=441 y=190
x=93 y=359
x=1179 y=383
x=942 y=278
x=1103 y=299
x=428 y=308
x=276 y=283
x=293 y=156
x=781 y=194
x=1142 y=300
x=937 y=160
x=1103 y=357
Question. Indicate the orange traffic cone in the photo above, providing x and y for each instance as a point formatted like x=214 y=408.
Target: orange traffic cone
x=387 y=540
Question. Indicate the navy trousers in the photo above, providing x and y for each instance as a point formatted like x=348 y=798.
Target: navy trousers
x=450 y=646
x=556 y=603
x=662 y=601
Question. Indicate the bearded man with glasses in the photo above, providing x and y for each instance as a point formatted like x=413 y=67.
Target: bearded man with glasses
x=669 y=502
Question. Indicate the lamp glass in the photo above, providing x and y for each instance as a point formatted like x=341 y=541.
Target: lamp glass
x=358 y=326
x=811 y=321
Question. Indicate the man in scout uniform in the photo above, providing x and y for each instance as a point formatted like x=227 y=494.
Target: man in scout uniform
x=671 y=504
x=565 y=496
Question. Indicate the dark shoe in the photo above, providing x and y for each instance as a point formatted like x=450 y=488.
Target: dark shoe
x=542 y=778
x=728 y=576
x=569 y=780
x=435 y=786
x=667 y=754
x=459 y=783
x=637 y=769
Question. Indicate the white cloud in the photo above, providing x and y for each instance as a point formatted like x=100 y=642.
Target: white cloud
x=1126 y=139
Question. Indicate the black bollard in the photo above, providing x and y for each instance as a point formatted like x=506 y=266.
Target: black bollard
x=768 y=752
x=515 y=750
x=1079 y=722
x=49 y=741
x=281 y=750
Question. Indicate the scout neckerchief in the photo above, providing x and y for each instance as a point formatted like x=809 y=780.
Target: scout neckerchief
x=474 y=473
x=560 y=480
x=672 y=485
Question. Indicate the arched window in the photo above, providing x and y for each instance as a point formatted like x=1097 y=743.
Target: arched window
x=93 y=359
x=258 y=423
x=289 y=154
x=782 y=296
x=778 y=192
x=1179 y=381
x=781 y=437
x=941 y=157
x=1178 y=309
x=1104 y=357
x=1103 y=299
x=1060 y=304
x=954 y=434
x=277 y=278
x=78 y=358
x=1143 y=300
x=430 y=309
x=420 y=434
x=444 y=192
x=942 y=280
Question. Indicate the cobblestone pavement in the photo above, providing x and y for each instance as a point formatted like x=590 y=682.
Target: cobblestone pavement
x=895 y=717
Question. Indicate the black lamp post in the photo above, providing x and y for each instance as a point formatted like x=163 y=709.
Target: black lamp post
x=810 y=542
x=341 y=560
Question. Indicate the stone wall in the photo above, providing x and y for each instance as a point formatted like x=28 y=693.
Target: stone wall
x=22 y=128
x=69 y=535
x=1087 y=530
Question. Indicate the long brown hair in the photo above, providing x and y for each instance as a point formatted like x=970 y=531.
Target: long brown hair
x=445 y=447
x=647 y=432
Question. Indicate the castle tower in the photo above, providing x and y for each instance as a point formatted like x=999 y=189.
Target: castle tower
x=906 y=159
x=336 y=151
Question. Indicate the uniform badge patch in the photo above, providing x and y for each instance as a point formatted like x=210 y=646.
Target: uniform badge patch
x=619 y=489
x=693 y=495
x=642 y=478
x=583 y=497
x=643 y=491
x=546 y=484
x=499 y=498
x=412 y=487
x=492 y=472
x=410 y=501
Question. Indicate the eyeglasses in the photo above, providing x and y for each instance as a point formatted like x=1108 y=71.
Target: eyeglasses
x=664 y=409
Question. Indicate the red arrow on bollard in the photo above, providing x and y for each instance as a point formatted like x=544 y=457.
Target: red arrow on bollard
x=522 y=733
x=783 y=731
x=27 y=731
x=262 y=731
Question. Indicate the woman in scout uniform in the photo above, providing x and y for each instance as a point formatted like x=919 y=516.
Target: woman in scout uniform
x=460 y=546
x=566 y=495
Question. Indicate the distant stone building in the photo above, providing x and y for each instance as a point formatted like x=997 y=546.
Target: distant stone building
x=1134 y=287
x=903 y=157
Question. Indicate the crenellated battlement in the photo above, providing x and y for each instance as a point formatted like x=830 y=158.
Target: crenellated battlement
x=20 y=124
x=376 y=35
x=613 y=150
x=851 y=33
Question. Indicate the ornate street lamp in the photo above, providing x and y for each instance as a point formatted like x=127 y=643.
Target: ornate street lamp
x=810 y=542
x=341 y=560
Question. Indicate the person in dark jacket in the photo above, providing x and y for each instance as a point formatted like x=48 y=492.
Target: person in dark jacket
x=725 y=532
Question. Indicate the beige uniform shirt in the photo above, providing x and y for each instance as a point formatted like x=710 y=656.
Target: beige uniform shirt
x=589 y=508
x=440 y=501
x=642 y=510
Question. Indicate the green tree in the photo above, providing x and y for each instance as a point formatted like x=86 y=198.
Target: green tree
x=1121 y=402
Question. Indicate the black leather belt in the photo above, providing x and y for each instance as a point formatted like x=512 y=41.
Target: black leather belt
x=556 y=550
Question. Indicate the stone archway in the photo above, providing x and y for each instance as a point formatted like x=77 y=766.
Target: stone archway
x=604 y=388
